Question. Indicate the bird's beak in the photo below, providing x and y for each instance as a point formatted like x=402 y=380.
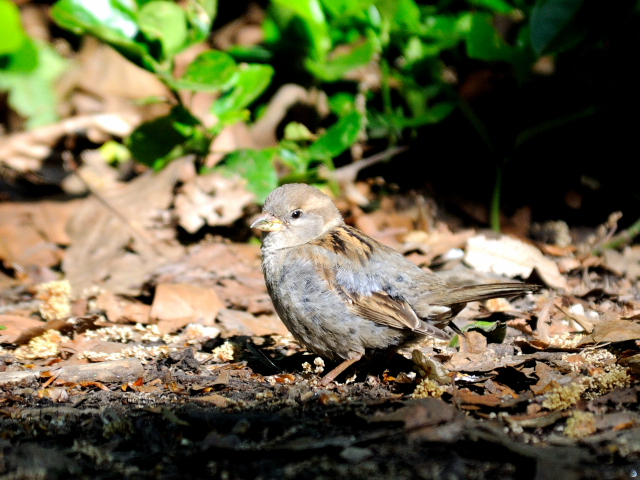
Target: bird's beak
x=267 y=222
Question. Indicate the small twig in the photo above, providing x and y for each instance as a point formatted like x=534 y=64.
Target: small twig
x=103 y=201
x=348 y=173
x=623 y=238
x=494 y=213
x=581 y=320
x=260 y=355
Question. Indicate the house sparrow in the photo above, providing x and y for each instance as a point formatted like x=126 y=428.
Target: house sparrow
x=340 y=292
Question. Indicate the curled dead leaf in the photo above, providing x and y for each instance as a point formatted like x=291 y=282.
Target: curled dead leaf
x=512 y=257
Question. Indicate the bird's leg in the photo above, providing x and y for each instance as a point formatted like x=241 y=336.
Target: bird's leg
x=331 y=376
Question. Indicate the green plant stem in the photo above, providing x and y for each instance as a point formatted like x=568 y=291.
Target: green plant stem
x=494 y=213
x=530 y=133
x=623 y=238
x=387 y=107
x=386 y=88
x=477 y=123
x=481 y=129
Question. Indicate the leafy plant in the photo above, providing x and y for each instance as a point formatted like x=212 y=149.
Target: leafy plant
x=28 y=69
x=389 y=67
x=150 y=33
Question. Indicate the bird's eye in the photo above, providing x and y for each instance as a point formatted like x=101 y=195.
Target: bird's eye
x=296 y=214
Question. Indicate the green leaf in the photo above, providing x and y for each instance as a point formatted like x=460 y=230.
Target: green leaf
x=382 y=125
x=556 y=26
x=310 y=11
x=499 y=6
x=348 y=9
x=434 y=114
x=342 y=103
x=154 y=141
x=211 y=71
x=13 y=34
x=200 y=14
x=31 y=92
x=442 y=31
x=401 y=15
x=256 y=166
x=338 y=138
x=250 y=53
x=294 y=157
x=251 y=81
x=166 y=22
x=336 y=68
x=495 y=332
x=297 y=132
x=113 y=21
x=484 y=42
x=23 y=60
x=231 y=117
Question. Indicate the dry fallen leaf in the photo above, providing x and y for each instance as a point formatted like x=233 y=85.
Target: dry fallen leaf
x=472 y=342
x=177 y=305
x=625 y=263
x=25 y=152
x=614 y=331
x=511 y=257
x=116 y=245
x=119 y=308
x=31 y=233
x=215 y=399
x=211 y=200
x=16 y=326
x=423 y=412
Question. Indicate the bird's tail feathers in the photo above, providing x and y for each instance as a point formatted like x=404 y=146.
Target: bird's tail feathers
x=472 y=293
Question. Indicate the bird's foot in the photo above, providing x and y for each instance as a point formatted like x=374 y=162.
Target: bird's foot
x=331 y=376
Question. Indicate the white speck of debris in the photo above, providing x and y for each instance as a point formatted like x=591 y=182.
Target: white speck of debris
x=351 y=379
x=577 y=308
x=319 y=363
x=56 y=299
x=453 y=254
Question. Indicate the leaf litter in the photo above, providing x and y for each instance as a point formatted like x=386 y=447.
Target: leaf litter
x=165 y=355
x=193 y=343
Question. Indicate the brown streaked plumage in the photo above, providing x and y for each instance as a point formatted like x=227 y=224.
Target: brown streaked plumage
x=340 y=292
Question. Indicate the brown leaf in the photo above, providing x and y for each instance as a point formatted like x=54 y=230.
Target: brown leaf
x=16 y=327
x=512 y=257
x=625 y=263
x=112 y=371
x=544 y=321
x=99 y=385
x=112 y=242
x=618 y=421
x=423 y=412
x=120 y=308
x=430 y=368
x=56 y=394
x=211 y=200
x=215 y=399
x=615 y=331
x=32 y=232
x=535 y=420
x=464 y=396
x=581 y=320
x=176 y=305
x=234 y=322
x=223 y=378
x=473 y=342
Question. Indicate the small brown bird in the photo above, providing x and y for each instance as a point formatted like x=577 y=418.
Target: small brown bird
x=340 y=292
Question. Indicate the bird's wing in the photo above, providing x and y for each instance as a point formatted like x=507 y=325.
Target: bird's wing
x=373 y=303
x=381 y=308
